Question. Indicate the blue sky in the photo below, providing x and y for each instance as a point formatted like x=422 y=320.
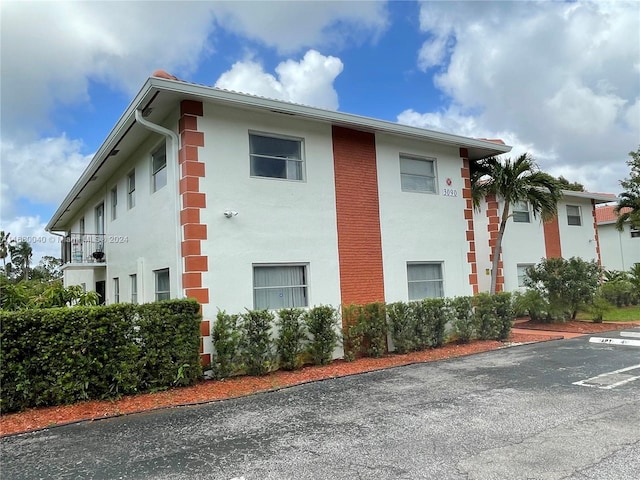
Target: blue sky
x=560 y=80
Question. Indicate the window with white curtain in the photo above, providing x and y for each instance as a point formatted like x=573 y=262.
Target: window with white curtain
x=275 y=157
x=279 y=286
x=425 y=280
x=417 y=174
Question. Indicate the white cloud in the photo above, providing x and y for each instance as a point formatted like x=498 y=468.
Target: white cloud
x=561 y=77
x=31 y=229
x=42 y=171
x=309 y=81
x=289 y=26
x=54 y=49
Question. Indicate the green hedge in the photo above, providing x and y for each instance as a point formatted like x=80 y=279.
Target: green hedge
x=64 y=355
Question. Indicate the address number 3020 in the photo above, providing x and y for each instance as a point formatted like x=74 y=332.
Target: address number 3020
x=450 y=192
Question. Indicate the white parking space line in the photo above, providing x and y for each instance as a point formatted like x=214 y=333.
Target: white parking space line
x=609 y=380
x=630 y=334
x=615 y=341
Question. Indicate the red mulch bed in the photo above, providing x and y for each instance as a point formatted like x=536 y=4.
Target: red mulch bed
x=577 y=326
x=207 y=391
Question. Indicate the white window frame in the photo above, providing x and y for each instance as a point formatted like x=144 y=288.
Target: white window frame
x=131 y=189
x=159 y=172
x=116 y=290
x=162 y=294
x=304 y=285
x=521 y=272
x=133 y=282
x=439 y=281
x=290 y=171
x=405 y=175
x=578 y=216
x=114 y=203
x=520 y=212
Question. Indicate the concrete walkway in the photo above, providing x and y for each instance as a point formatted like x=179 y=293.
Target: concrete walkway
x=549 y=333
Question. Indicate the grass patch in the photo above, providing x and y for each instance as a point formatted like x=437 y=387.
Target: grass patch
x=623 y=314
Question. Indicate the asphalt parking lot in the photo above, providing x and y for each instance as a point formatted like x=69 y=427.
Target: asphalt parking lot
x=565 y=409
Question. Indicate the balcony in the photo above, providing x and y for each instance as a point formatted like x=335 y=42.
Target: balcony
x=87 y=248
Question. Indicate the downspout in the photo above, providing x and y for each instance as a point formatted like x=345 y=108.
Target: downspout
x=173 y=145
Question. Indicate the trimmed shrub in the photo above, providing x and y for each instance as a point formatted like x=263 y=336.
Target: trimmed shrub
x=375 y=329
x=504 y=314
x=321 y=322
x=226 y=337
x=486 y=321
x=64 y=355
x=291 y=336
x=402 y=327
x=169 y=333
x=431 y=317
x=257 y=352
x=365 y=333
x=463 y=325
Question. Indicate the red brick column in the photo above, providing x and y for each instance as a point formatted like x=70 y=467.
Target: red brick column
x=551 y=231
x=465 y=173
x=358 y=216
x=493 y=227
x=193 y=231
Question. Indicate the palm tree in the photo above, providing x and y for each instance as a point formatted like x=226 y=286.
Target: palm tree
x=514 y=181
x=628 y=208
x=21 y=254
x=5 y=243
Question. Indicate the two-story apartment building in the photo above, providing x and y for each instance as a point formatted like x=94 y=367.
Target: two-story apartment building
x=246 y=202
x=620 y=250
x=572 y=233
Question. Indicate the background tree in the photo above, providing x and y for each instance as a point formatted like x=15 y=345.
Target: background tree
x=49 y=268
x=514 y=181
x=21 y=254
x=5 y=244
x=566 y=285
x=567 y=185
x=628 y=208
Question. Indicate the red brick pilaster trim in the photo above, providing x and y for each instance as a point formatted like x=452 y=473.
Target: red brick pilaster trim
x=465 y=173
x=358 y=216
x=493 y=227
x=551 y=230
x=193 y=231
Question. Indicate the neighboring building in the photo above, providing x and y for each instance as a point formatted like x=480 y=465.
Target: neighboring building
x=245 y=202
x=620 y=250
x=527 y=240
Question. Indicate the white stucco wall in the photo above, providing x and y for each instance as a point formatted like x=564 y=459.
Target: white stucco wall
x=619 y=250
x=279 y=221
x=577 y=241
x=524 y=243
x=141 y=239
x=421 y=227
